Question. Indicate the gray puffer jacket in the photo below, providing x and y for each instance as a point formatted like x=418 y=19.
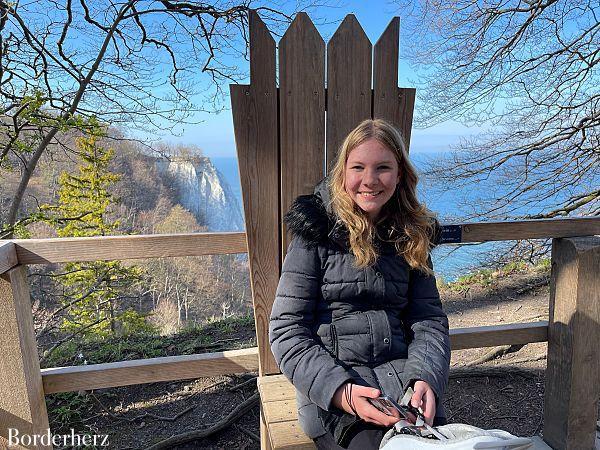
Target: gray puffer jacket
x=381 y=326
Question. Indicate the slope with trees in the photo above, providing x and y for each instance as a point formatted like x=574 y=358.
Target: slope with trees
x=145 y=66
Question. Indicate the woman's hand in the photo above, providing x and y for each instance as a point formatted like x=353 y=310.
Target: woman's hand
x=425 y=399
x=352 y=398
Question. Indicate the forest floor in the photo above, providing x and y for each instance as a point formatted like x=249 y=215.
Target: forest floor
x=490 y=391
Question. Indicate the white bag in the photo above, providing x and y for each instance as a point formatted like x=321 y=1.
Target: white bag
x=459 y=437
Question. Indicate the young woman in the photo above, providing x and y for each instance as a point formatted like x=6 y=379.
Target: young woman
x=357 y=313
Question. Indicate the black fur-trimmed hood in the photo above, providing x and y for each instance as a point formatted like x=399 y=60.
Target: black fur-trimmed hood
x=310 y=216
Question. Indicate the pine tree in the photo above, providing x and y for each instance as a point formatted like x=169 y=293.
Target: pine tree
x=93 y=289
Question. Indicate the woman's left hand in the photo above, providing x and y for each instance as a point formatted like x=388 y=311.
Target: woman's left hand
x=424 y=398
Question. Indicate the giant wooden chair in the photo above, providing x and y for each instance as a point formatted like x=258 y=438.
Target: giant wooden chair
x=286 y=138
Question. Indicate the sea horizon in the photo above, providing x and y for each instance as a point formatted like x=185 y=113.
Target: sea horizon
x=450 y=261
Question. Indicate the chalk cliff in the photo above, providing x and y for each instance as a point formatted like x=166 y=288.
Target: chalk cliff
x=204 y=192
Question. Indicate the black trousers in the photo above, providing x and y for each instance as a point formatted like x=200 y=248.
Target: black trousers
x=368 y=438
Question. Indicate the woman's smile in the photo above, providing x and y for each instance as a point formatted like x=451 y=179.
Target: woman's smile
x=371 y=176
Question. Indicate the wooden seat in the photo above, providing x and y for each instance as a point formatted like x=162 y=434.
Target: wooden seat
x=278 y=398
x=286 y=138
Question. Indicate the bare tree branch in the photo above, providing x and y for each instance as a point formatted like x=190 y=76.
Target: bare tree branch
x=128 y=62
x=528 y=73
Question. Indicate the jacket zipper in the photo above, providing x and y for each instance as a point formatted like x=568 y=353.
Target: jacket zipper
x=334 y=339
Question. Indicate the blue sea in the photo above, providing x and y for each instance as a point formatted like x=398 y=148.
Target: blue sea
x=450 y=261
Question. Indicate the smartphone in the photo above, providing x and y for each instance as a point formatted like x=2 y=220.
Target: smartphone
x=387 y=405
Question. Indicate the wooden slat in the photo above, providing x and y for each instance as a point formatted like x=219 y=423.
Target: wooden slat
x=58 y=250
x=277 y=387
x=274 y=387
x=104 y=248
x=8 y=256
x=573 y=373
x=170 y=368
x=255 y=122
x=264 y=381
x=530 y=229
x=277 y=391
x=280 y=411
x=391 y=103
x=348 y=89
x=385 y=73
x=301 y=111
x=493 y=335
x=404 y=112
x=265 y=440
x=289 y=435
x=22 y=403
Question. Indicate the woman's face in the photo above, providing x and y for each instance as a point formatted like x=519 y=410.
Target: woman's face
x=371 y=175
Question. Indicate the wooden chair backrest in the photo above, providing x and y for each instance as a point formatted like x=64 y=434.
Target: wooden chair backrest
x=287 y=137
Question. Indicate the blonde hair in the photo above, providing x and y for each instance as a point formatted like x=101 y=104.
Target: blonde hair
x=412 y=224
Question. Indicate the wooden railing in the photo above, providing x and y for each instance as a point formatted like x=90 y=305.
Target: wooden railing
x=103 y=248
x=23 y=385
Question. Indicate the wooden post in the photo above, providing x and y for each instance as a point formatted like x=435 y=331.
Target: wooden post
x=8 y=256
x=254 y=110
x=573 y=373
x=22 y=403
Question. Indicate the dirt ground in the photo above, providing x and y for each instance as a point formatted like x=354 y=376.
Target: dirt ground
x=506 y=392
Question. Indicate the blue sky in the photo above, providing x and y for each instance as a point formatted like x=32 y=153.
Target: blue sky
x=215 y=134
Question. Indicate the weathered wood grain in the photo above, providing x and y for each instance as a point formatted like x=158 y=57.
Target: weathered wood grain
x=348 y=87
x=264 y=381
x=22 y=403
x=391 y=103
x=573 y=372
x=530 y=229
x=405 y=107
x=265 y=439
x=280 y=410
x=277 y=390
x=8 y=256
x=494 y=335
x=256 y=136
x=289 y=435
x=170 y=368
x=278 y=400
x=301 y=111
x=105 y=248
x=58 y=250
x=385 y=73
x=274 y=387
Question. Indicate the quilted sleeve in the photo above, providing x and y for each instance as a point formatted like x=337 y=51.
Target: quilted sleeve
x=427 y=329
x=302 y=359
